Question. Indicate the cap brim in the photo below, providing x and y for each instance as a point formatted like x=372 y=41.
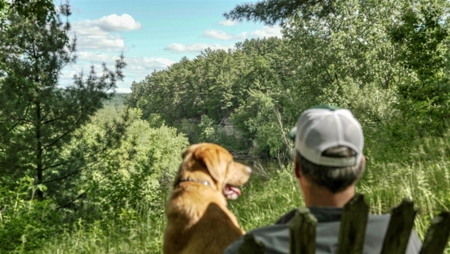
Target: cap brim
x=293 y=133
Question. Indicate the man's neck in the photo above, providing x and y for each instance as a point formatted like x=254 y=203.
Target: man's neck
x=322 y=197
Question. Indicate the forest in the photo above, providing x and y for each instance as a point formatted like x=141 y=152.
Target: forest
x=86 y=170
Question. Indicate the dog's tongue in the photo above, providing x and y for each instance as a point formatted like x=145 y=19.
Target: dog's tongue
x=231 y=192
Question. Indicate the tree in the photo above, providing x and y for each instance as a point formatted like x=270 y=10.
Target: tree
x=271 y=12
x=37 y=116
x=192 y=93
x=422 y=37
x=133 y=173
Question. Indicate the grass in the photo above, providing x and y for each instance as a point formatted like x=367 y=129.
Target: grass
x=420 y=172
x=141 y=235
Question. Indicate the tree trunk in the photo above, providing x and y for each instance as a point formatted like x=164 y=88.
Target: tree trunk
x=39 y=167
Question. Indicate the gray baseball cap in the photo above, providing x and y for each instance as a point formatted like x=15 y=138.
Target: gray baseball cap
x=323 y=127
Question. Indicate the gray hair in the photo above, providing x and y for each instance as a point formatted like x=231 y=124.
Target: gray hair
x=333 y=178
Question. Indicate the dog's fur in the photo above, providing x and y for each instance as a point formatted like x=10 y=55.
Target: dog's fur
x=198 y=220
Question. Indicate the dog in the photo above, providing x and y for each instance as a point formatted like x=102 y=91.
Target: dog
x=198 y=220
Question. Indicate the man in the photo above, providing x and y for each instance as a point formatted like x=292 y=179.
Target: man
x=329 y=162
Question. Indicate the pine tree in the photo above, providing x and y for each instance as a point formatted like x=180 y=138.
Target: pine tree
x=38 y=116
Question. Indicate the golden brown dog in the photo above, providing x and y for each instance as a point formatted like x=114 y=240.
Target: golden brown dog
x=198 y=220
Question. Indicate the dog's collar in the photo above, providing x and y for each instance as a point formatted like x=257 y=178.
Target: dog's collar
x=204 y=182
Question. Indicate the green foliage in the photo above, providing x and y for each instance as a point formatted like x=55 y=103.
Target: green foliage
x=123 y=184
x=208 y=130
x=117 y=100
x=188 y=89
x=215 y=84
x=122 y=206
x=346 y=57
x=346 y=62
x=271 y=12
x=223 y=133
x=38 y=118
x=139 y=233
x=135 y=172
x=418 y=171
x=257 y=119
x=190 y=128
x=422 y=36
x=25 y=223
x=271 y=192
x=41 y=9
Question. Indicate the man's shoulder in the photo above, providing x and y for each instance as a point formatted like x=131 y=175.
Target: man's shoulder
x=276 y=237
x=287 y=217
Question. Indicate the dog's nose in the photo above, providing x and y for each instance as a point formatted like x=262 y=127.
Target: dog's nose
x=249 y=170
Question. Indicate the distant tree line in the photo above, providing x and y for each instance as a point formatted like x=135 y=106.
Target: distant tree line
x=384 y=60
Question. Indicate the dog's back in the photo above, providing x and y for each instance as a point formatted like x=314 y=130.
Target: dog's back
x=199 y=228
x=198 y=220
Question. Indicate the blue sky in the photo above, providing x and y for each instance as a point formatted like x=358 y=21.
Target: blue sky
x=153 y=34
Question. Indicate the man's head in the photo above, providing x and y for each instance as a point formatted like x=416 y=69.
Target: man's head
x=329 y=143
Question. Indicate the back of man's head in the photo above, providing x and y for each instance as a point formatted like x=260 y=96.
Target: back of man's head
x=329 y=145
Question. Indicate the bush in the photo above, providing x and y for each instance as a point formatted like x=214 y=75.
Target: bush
x=26 y=224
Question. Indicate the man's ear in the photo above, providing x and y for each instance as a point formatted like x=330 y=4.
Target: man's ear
x=297 y=168
x=363 y=163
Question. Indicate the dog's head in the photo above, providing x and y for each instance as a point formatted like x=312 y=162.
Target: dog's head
x=216 y=163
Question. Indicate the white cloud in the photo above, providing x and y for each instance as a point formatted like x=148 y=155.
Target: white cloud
x=220 y=35
x=100 y=40
x=136 y=70
x=228 y=23
x=266 y=31
x=177 y=47
x=95 y=58
x=114 y=23
x=123 y=90
x=147 y=64
x=98 y=34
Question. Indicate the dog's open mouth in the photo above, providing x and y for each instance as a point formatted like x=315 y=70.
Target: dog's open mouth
x=231 y=192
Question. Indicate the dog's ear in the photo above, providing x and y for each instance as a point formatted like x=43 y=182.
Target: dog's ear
x=216 y=160
x=186 y=152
